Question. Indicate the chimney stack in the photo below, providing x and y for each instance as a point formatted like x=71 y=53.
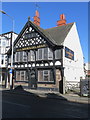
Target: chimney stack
x=62 y=20
x=36 y=18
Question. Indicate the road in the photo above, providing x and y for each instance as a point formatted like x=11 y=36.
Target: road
x=33 y=106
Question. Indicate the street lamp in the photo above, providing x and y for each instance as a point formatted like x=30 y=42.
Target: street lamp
x=11 y=77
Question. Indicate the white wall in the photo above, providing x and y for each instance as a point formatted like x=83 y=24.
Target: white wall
x=4 y=43
x=73 y=68
x=87 y=66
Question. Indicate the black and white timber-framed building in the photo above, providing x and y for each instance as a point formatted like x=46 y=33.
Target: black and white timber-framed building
x=39 y=55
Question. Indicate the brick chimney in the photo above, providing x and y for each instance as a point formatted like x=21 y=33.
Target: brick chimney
x=36 y=18
x=62 y=20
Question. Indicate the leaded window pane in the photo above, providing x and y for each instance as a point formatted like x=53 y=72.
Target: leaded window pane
x=58 y=54
x=29 y=56
x=40 y=54
x=22 y=74
x=32 y=55
x=45 y=76
x=40 y=75
x=21 y=56
x=45 y=53
x=50 y=54
x=24 y=56
x=18 y=75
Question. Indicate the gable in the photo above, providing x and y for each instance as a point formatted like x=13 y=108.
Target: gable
x=31 y=37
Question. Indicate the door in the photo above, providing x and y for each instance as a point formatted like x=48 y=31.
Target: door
x=32 y=80
x=58 y=78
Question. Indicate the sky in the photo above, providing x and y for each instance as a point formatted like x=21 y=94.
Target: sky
x=49 y=15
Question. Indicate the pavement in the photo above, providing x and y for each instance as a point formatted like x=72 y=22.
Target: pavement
x=50 y=95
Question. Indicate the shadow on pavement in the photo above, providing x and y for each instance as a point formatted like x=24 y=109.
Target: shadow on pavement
x=21 y=104
x=55 y=96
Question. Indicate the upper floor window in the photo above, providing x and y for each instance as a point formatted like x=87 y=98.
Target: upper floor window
x=31 y=56
x=4 y=43
x=44 y=54
x=58 y=54
x=20 y=56
x=30 y=35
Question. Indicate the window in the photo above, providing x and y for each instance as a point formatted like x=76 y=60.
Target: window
x=17 y=75
x=32 y=55
x=40 y=75
x=21 y=76
x=9 y=59
x=58 y=54
x=50 y=54
x=3 y=43
x=21 y=56
x=24 y=56
x=29 y=56
x=40 y=51
x=45 y=54
x=3 y=50
x=45 y=76
x=30 y=35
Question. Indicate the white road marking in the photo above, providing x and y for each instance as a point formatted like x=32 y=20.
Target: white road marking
x=21 y=105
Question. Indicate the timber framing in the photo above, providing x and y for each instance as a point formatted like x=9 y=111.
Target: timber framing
x=38 y=58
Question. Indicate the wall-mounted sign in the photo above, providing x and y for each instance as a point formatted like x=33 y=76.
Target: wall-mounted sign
x=30 y=48
x=10 y=71
x=69 y=53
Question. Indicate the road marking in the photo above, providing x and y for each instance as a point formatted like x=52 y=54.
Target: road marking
x=16 y=104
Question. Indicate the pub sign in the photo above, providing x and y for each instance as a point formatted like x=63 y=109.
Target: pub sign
x=69 y=53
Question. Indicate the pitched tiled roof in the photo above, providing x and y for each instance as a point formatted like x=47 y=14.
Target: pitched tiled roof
x=58 y=34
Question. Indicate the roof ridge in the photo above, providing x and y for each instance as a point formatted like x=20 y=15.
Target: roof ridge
x=59 y=26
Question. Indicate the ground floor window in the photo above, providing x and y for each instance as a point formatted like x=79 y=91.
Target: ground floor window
x=45 y=76
x=21 y=76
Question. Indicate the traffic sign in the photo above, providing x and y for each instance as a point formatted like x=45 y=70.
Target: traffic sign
x=10 y=71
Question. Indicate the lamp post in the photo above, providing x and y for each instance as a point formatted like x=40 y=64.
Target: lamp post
x=11 y=77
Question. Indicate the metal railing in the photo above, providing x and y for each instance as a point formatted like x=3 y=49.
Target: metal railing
x=72 y=86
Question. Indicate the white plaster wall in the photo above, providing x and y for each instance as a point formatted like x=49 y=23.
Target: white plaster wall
x=87 y=66
x=3 y=48
x=73 y=68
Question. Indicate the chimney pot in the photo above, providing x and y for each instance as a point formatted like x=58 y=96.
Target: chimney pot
x=62 y=20
x=36 y=18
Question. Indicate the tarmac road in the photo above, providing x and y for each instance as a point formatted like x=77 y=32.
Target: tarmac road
x=33 y=106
